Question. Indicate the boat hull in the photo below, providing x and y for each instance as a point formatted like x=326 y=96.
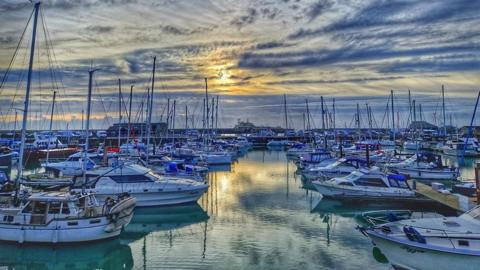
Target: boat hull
x=403 y=255
x=153 y=198
x=429 y=174
x=353 y=192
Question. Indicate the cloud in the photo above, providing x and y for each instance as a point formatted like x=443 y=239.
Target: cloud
x=245 y=20
x=317 y=9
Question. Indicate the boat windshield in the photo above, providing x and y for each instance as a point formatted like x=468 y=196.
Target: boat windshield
x=474 y=213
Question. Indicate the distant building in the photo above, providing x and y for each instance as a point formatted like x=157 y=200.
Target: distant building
x=138 y=129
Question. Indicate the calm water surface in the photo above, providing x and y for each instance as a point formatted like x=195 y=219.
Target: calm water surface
x=256 y=215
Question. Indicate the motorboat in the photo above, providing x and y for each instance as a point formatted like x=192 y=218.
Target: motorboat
x=72 y=166
x=338 y=168
x=149 y=188
x=467 y=147
x=425 y=166
x=216 y=158
x=430 y=243
x=366 y=184
x=62 y=217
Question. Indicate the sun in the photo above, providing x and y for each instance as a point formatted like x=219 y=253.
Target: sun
x=223 y=76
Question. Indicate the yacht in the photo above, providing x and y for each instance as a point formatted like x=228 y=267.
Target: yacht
x=149 y=188
x=73 y=166
x=366 y=184
x=467 y=147
x=341 y=167
x=61 y=217
x=425 y=166
x=430 y=243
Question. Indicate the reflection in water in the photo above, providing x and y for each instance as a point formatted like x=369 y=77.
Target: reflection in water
x=110 y=254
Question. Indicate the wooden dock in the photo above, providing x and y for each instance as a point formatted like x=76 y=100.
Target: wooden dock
x=448 y=200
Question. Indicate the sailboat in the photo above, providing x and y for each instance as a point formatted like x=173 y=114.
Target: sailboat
x=60 y=217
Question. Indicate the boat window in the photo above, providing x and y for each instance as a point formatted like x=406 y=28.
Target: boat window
x=393 y=182
x=80 y=203
x=475 y=213
x=40 y=208
x=65 y=209
x=463 y=243
x=371 y=182
x=402 y=184
x=346 y=184
x=54 y=207
x=130 y=178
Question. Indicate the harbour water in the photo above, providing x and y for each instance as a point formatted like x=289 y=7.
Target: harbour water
x=257 y=214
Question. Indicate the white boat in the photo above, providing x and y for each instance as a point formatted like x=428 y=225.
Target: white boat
x=430 y=243
x=365 y=184
x=338 y=168
x=278 y=143
x=61 y=217
x=149 y=188
x=217 y=158
x=465 y=147
x=425 y=166
x=45 y=140
x=72 y=166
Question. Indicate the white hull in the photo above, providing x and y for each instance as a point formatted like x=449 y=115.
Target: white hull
x=459 y=153
x=428 y=174
x=60 y=231
x=218 y=159
x=337 y=191
x=152 y=198
x=411 y=257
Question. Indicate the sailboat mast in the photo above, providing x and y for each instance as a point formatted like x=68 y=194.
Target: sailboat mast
x=119 y=112
x=207 y=111
x=443 y=112
x=393 y=116
x=173 y=122
x=334 y=121
x=87 y=129
x=186 y=117
x=150 y=108
x=285 y=111
x=216 y=115
x=27 y=96
x=51 y=124
x=129 y=118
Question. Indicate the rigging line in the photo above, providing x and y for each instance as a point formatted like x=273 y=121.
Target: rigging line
x=5 y=76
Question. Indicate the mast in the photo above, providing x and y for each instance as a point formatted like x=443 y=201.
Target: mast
x=216 y=115
x=213 y=113
x=414 y=118
x=168 y=116
x=393 y=117
x=334 y=122
x=186 y=117
x=308 y=115
x=173 y=122
x=82 y=118
x=409 y=105
x=129 y=119
x=323 y=124
x=207 y=112
x=15 y=126
x=51 y=124
x=119 y=112
x=285 y=111
x=358 y=120
x=87 y=130
x=150 y=108
x=27 y=97
x=443 y=112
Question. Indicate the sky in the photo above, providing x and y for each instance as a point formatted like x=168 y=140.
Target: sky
x=252 y=52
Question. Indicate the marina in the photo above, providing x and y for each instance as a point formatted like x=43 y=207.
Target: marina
x=121 y=169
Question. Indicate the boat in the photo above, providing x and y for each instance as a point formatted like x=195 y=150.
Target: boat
x=467 y=147
x=216 y=158
x=149 y=188
x=340 y=167
x=63 y=217
x=366 y=184
x=278 y=143
x=73 y=166
x=425 y=166
x=430 y=243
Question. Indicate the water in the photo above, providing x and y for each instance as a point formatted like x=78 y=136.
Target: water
x=256 y=216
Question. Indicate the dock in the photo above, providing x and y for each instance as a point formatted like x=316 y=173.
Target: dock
x=449 y=200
